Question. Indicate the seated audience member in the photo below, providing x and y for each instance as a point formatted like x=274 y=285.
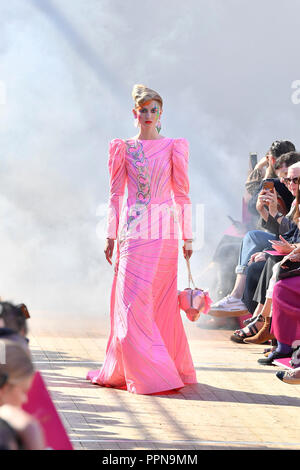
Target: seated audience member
x=255 y=241
x=227 y=252
x=13 y=321
x=284 y=162
x=285 y=312
x=16 y=375
x=258 y=293
x=9 y=439
x=265 y=168
x=258 y=331
x=263 y=315
x=284 y=197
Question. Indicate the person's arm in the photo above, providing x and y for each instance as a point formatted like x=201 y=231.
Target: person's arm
x=272 y=219
x=180 y=187
x=256 y=176
x=117 y=183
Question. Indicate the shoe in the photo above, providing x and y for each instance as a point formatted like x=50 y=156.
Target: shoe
x=228 y=307
x=267 y=351
x=247 y=321
x=263 y=335
x=252 y=329
x=289 y=376
x=268 y=361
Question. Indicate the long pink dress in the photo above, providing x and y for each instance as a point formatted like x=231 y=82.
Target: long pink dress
x=147 y=350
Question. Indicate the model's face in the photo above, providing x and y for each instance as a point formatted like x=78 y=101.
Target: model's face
x=15 y=395
x=148 y=115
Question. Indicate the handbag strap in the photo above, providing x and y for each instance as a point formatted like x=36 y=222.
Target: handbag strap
x=190 y=277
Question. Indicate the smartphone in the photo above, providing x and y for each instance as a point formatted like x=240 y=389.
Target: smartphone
x=268 y=185
x=253 y=160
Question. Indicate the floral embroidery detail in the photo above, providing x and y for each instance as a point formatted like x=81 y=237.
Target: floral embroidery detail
x=143 y=195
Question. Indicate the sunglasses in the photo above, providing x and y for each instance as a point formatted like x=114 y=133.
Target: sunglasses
x=291 y=180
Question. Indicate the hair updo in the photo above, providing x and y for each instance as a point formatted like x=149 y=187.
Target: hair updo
x=279 y=147
x=141 y=95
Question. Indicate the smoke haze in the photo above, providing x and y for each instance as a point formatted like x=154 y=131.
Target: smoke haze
x=225 y=70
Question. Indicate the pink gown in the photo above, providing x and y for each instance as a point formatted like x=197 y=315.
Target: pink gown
x=147 y=350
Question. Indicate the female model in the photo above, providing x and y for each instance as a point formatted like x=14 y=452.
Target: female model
x=147 y=350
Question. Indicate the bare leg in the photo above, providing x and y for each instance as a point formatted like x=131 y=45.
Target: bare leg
x=266 y=310
x=265 y=333
x=239 y=286
x=258 y=310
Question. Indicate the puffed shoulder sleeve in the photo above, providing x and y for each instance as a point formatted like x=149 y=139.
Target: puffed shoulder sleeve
x=181 y=186
x=117 y=183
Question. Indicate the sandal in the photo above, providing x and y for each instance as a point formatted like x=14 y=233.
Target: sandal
x=263 y=335
x=248 y=320
x=250 y=330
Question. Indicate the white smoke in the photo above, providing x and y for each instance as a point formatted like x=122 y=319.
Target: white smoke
x=225 y=71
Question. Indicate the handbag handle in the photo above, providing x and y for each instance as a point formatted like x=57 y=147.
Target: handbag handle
x=190 y=277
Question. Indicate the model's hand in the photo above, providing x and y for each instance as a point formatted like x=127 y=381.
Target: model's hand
x=109 y=249
x=187 y=249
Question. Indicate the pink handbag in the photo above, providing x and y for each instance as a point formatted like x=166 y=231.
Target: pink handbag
x=193 y=301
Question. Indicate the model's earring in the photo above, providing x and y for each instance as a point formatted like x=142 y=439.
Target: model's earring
x=158 y=124
x=136 y=121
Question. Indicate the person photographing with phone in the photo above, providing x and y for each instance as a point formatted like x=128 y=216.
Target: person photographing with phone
x=267 y=204
x=272 y=168
x=265 y=168
x=255 y=242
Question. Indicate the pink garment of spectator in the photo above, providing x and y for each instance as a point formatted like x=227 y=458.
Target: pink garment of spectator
x=286 y=310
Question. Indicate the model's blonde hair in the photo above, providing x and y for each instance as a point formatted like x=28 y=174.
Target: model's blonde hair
x=142 y=95
x=17 y=361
